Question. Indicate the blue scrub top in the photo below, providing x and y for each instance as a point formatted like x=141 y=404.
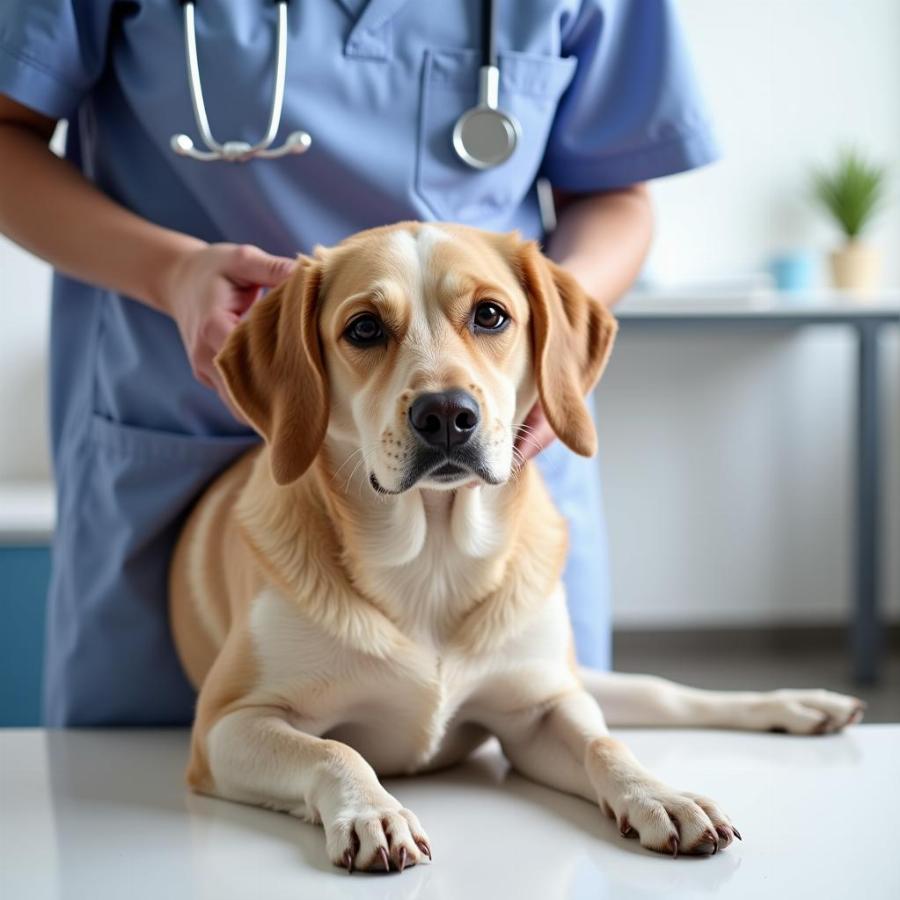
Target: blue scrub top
x=604 y=93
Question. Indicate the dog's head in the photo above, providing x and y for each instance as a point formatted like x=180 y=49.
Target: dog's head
x=422 y=347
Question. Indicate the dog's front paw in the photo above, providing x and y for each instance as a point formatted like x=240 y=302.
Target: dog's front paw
x=669 y=821
x=665 y=820
x=376 y=837
x=806 y=711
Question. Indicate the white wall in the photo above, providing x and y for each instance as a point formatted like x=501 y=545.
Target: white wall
x=25 y=305
x=726 y=456
x=788 y=83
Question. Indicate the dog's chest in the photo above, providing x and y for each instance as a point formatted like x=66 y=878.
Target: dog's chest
x=409 y=725
x=403 y=714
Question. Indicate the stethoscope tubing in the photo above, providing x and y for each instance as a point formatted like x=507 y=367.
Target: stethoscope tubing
x=483 y=137
x=488 y=33
x=237 y=151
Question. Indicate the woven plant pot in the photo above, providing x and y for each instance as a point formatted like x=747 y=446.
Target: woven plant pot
x=856 y=268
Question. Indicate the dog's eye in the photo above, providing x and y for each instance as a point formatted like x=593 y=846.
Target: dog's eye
x=365 y=330
x=490 y=316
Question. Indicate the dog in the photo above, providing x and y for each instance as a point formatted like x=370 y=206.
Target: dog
x=377 y=589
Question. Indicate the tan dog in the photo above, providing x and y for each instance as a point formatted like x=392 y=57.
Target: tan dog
x=377 y=590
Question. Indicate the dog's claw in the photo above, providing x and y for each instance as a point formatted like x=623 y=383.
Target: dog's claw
x=348 y=861
x=823 y=726
x=384 y=859
x=707 y=845
x=737 y=834
x=673 y=846
x=402 y=858
x=423 y=846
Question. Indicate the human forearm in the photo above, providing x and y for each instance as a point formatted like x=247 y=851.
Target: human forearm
x=50 y=209
x=603 y=239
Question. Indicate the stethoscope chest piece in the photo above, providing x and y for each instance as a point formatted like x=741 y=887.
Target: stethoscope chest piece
x=485 y=136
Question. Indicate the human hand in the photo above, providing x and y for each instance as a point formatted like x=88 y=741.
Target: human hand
x=534 y=435
x=207 y=289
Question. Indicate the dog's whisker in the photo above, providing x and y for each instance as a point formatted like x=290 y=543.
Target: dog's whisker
x=346 y=462
x=520 y=435
x=530 y=442
x=523 y=433
x=359 y=462
x=362 y=461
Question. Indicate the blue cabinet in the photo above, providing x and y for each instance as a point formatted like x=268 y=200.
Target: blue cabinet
x=24 y=577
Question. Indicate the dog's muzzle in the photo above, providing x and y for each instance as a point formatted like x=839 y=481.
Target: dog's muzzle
x=445 y=424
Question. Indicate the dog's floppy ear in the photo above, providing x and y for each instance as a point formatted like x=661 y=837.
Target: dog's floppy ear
x=272 y=367
x=573 y=336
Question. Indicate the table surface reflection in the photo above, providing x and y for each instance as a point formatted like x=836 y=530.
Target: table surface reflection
x=103 y=813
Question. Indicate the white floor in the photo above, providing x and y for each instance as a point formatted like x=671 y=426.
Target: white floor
x=103 y=814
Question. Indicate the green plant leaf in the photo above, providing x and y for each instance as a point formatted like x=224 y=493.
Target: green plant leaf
x=852 y=191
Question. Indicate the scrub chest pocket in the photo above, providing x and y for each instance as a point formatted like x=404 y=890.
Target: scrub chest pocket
x=530 y=89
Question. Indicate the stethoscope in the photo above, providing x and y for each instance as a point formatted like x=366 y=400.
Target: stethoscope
x=483 y=136
x=237 y=151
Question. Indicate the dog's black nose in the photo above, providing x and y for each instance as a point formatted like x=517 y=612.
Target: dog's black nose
x=446 y=419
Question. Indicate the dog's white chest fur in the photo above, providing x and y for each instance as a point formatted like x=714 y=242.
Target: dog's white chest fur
x=401 y=714
x=424 y=565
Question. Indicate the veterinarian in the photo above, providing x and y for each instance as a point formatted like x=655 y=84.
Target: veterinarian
x=158 y=254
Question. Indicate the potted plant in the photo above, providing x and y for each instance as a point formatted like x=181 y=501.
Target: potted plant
x=853 y=191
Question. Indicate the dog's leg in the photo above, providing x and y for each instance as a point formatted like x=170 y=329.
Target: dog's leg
x=568 y=747
x=637 y=700
x=256 y=756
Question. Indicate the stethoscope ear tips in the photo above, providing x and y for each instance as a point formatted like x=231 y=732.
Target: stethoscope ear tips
x=298 y=141
x=181 y=144
x=240 y=151
x=237 y=151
